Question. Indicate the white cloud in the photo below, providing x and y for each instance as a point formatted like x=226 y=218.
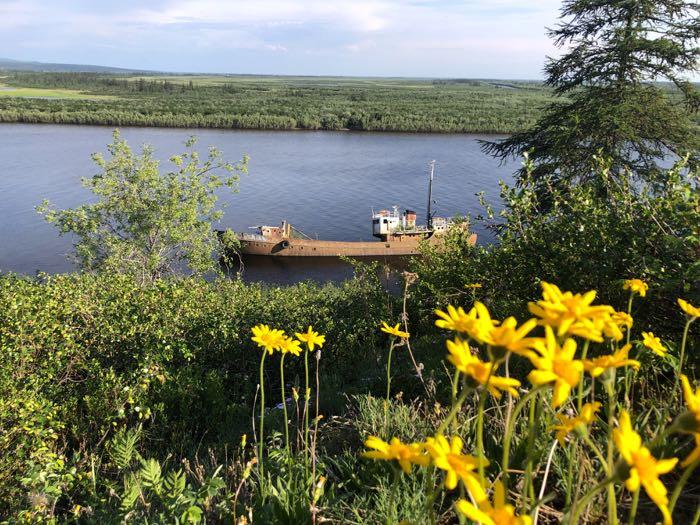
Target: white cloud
x=419 y=35
x=15 y=14
x=358 y=15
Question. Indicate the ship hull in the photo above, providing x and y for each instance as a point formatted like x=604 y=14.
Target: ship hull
x=318 y=248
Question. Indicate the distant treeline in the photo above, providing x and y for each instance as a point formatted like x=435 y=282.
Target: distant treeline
x=278 y=103
x=97 y=82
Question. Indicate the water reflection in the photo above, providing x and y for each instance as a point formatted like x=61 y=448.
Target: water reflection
x=289 y=270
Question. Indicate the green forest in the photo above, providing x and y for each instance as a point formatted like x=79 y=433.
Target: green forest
x=250 y=102
x=242 y=102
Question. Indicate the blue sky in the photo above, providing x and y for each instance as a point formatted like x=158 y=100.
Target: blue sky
x=427 y=38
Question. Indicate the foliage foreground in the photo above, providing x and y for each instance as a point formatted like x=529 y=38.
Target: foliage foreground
x=129 y=404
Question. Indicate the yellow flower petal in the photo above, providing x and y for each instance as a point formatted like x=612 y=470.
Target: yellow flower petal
x=474 y=514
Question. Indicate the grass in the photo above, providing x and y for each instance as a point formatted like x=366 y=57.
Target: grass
x=44 y=93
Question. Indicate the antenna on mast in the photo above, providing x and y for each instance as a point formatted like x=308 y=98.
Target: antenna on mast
x=429 y=218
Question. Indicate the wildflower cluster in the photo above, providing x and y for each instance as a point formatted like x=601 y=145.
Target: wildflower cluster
x=556 y=343
x=573 y=350
x=272 y=340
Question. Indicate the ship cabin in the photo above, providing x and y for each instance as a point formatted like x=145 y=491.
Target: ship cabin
x=276 y=232
x=387 y=225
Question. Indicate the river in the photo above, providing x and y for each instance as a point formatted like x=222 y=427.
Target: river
x=324 y=183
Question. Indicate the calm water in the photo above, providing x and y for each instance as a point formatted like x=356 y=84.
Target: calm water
x=325 y=183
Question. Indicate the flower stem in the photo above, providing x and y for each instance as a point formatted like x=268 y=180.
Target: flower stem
x=307 y=395
x=579 y=401
x=509 y=431
x=681 y=483
x=284 y=405
x=430 y=498
x=633 y=509
x=455 y=386
x=392 y=500
x=262 y=421
x=388 y=372
x=480 y=435
x=527 y=482
x=629 y=312
x=682 y=356
x=597 y=452
x=314 y=439
x=583 y=503
x=572 y=450
x=480 y=423
x=629 y=330
x=453 y=411
x=612 y=503
x=544 y=481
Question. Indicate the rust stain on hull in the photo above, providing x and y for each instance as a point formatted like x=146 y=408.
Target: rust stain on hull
x=292 y=247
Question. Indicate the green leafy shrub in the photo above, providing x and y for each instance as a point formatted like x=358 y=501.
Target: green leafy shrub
x=87 y=357
x=581 y=237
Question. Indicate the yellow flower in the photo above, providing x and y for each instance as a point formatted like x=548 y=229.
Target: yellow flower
x=500 y=513
x=568 y=424
x=645 y=468
x=290 y=346
x=622 y=319
x=571 y=313
x=477 y=323
x=405 y=454
x=597 y=366
x=267 y=338
x=556 y=365
x=654 y=344
x=394 y=330
x=636 y=286
x=455 y=319
x=311 y=338
x=513 y=339
x=689 y=309
x=448 y=456
x=460 y=355
x=692 y=401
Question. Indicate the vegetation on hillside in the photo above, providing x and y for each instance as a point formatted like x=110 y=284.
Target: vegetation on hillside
x=241 y=102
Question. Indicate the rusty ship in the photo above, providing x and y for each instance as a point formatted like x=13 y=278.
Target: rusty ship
x=396 y=231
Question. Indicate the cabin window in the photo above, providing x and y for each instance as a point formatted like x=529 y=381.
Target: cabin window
x=375 y=221
x=386 y=221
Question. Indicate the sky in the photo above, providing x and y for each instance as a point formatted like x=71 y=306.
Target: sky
x=409 y=38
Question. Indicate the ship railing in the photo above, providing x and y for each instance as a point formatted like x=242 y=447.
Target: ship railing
x=415 y=229
x=386 y=215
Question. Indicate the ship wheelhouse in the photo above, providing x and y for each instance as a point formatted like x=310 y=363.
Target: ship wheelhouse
x=387 y=225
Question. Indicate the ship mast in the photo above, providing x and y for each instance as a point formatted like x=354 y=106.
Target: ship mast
x=429 y=219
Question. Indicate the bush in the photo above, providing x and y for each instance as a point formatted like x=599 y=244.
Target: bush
x=85 y=356
x=581 y=237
